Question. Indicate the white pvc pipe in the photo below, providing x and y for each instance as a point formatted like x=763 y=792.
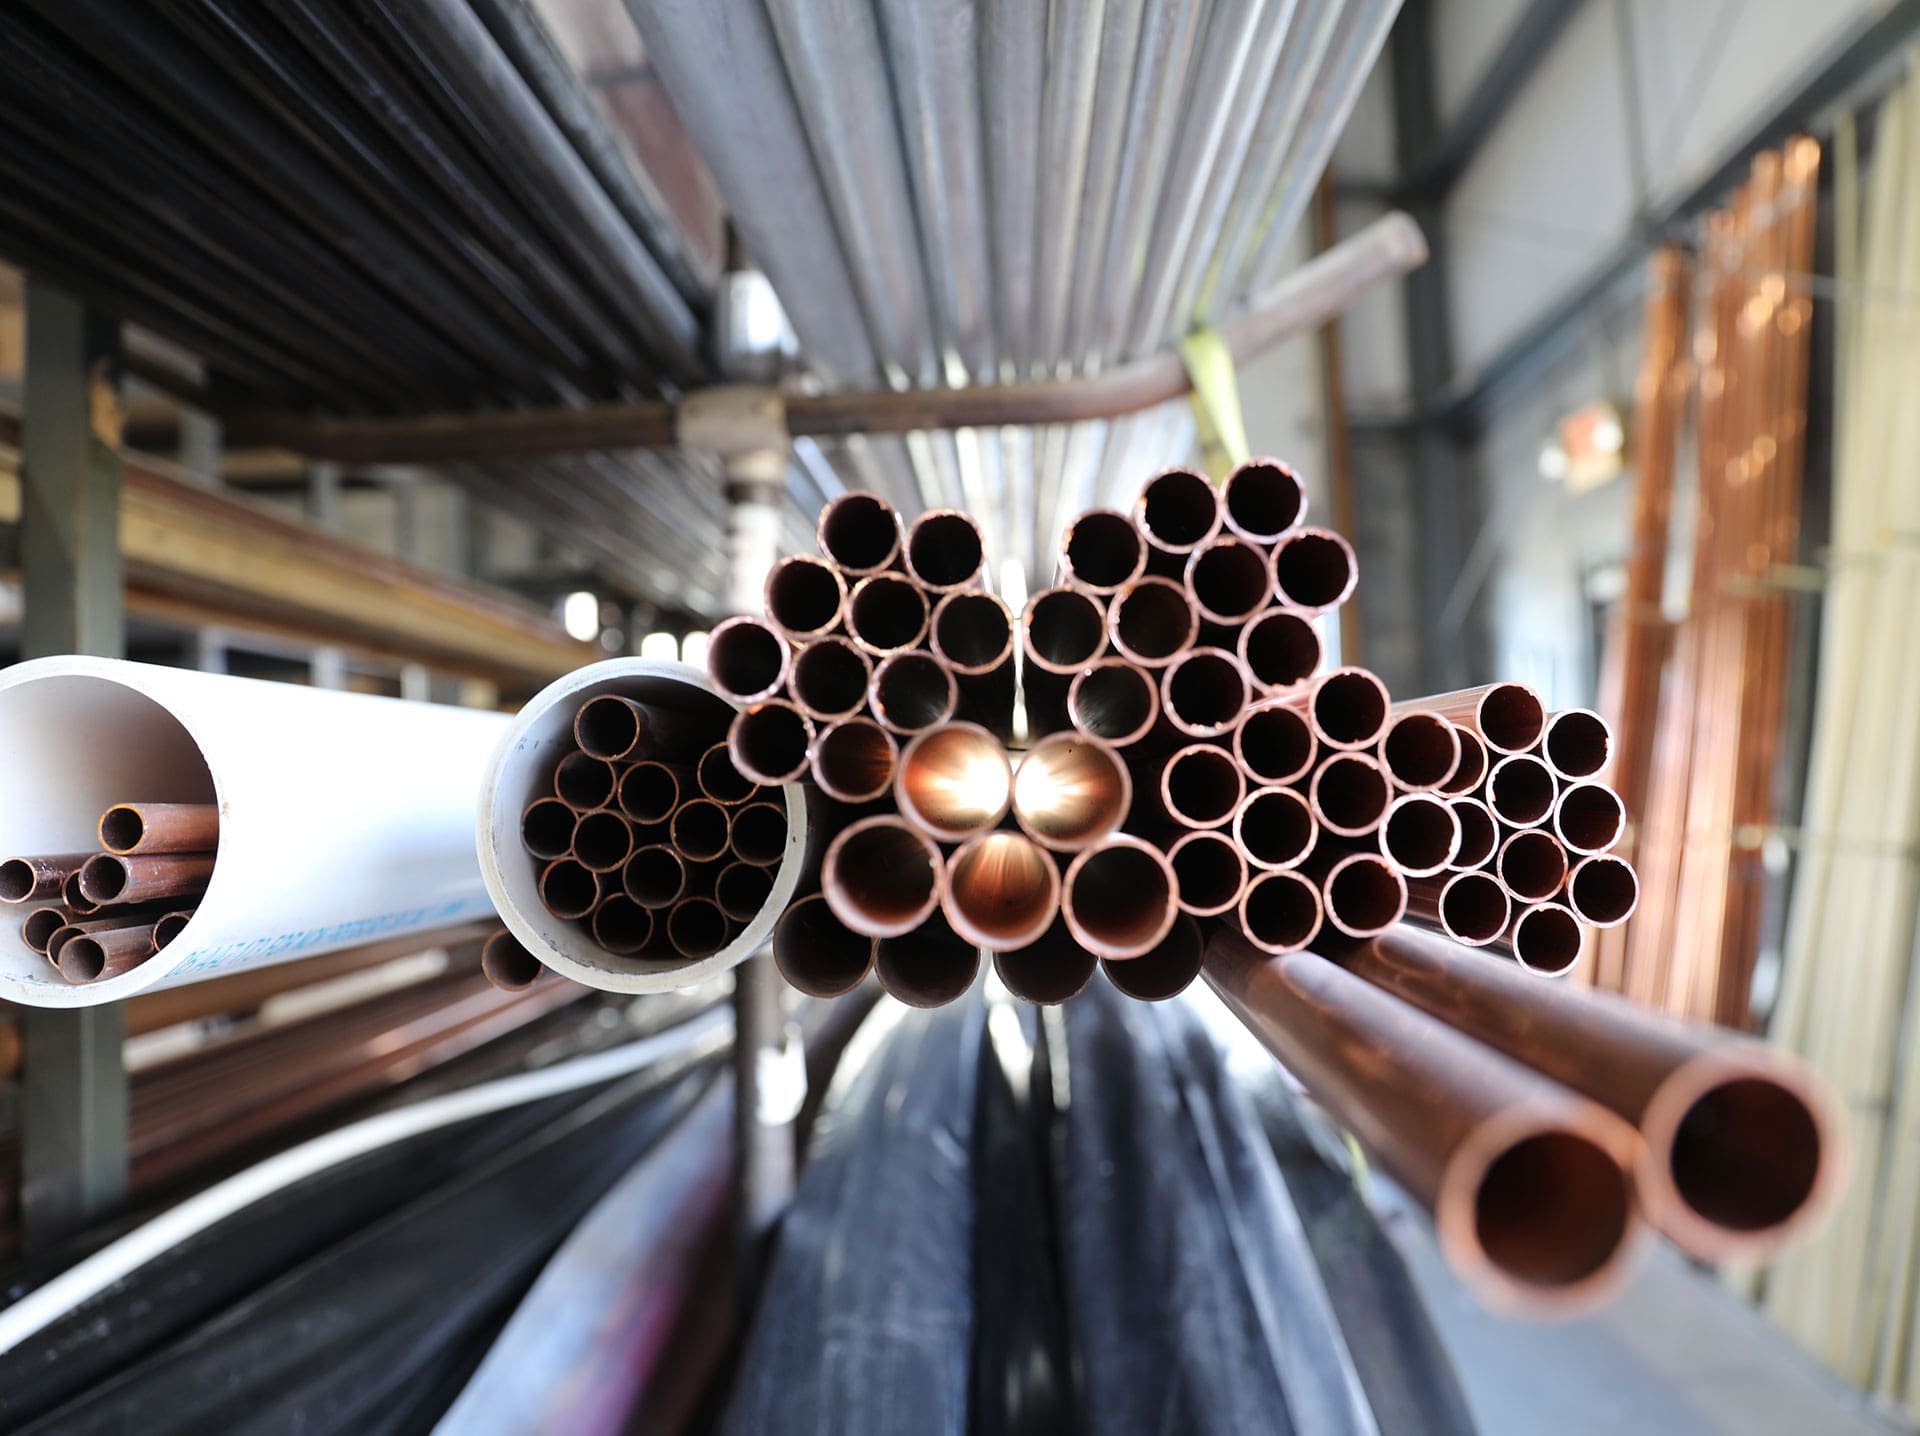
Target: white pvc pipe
x=522 y=769
x=343 y=818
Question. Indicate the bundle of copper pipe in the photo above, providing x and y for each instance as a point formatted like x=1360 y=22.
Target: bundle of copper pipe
x=95 y=915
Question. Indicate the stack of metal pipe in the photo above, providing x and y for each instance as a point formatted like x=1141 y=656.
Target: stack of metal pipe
x=98 y=914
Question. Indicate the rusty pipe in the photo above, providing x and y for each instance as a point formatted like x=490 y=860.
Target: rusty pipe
x=1509 y=716
x=720 y=781
x=1177 y=512
x=747 y=659
x=1275 y=828
x=508 y=965
x=1313 y=569
x=1577 y=743
x=92 y=956
x=929 y=967
x=1521 y=791
x=954 y=781
x=854 y=760
x=1479 y=834
x=882 y=876
x=860 y=532
x=817 y=953
x=1152 y=621
x=144 y=828
x=758 y=833
x=1348 y=709
x=1350 y=794
x=1203 y=691
x=1070 y=792
x=770 y=741
x=76 y=902
x=1280 y=911
x=913 y=692
x=1531 y=865
x=1589 y=817
x=1274 y=743
x=41 y=924
x=1229 y=581
x=105 y=878
x=1420 y=834
x=1281 y=650
x=1115 y=701
x=1603 y=890
x=546 y=828
x=1209 y=871
x=1421 y=750
x=602 y=841
x=887 y=613
x=1102 y=551
x=1002 y=891
x=1048 y=970
x=1472 y=908
x=34 y=879
x=1165 y=972
x=742 y=889
x=805 y=598
x=696 y=927
x=1263 y=501
x=944 y=550
x=700 y=830
x=1118 y=897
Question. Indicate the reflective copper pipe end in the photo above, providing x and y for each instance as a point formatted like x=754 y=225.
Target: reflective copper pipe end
x=1421 y=750
x=1114 y=701
x=747 y=660
x=1471 y=908
x=1349 y=709
x=758 y=834
x=1420 y=834
x=742 y=889
x=1178 y=510
x=1070 y=792
x=860 y=532
x=1479 y=834
x=1313 y=569
x=612 y=727
x=1603 y=890
x=622 y=926
x=1274 y=743
x=953 y=781
x=1102 y=551
x=1532 y=865
x=1263 y=501
x=887 y=613
x=1280 y=911
x=805 y=597
x=829 y=679
x=1472 y=769
x=817 y=953
x=945 y=551
x=1350 y=794
x=1152 y=621
x=912 y=692
x=1275 y=828
x=1521 y=791
x=1210 y=872
x=1049 y=971
x=569 y=889
x=1509 y=717
x=546 y=828
x=770 y=741
x=1546 y=938
x=1589 y=817
x=144 y=828
x=1577 y=743
x=602 y=841
x=1203 y=692
x=104 y=878
x=696 y=927
x=1364 y=894
x=1165 y=972
x=854 y=760
x=584 y=782
x=96 y=956
x=655 y=876
x=1062 y=630
x=32 y=879
x=926 y=968
x=1118 y=899
x=41 y=924
x=720 y=780
x=882 y=877
x=1002 y=891
x=1201 y=786
x=649 y=792
x=1229 y=581
x=1281 y=650
x=700 y=830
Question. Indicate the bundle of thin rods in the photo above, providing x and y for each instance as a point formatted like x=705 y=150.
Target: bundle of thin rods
x=95 y=915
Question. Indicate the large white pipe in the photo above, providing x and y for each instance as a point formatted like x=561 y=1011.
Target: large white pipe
x=343 y=817
x=522 y=769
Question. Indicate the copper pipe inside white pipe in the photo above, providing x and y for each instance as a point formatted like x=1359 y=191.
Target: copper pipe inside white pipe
x=758 y=833
x=741 y=889
x=602 y=841
x=546 y=828
x=622 y=926
x=655 y=876
x=649 y=792
x=700 y=831
x=719 y=779
x=568 y=889
x=584 y=782
x=696 y=927
x=1263 y=500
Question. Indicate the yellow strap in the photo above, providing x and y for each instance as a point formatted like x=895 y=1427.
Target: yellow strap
x=1216 y=401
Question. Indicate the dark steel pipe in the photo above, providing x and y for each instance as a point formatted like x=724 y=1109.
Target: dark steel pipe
x=700 y=830
x=1070 y=792
x=1102 y=551
x=1532 y=865
x=882 y=876
x=944 y=550
x=569 y=889
x=546 y=828
x=1521 y=791
x=887 y=613
x=105 y=879
x=1479 y=833
x=747 y=660
x=742 y=889
x=854 y=760
x=829 y=679
x=1281 y=650
x=1275 y=828
x=508 y=965
x=1577 y=743
x=602 y=841
x=1152 y=621
x=1203 y=692
x=806 y=597
x=696 y=927
x=1589 y=817
x=1002 y=891
x=1165 y=972
x=1421 y=750
x=1118 y=898
x=1178 y=511
x=1209 y=872
x=860 y=532
x=817 y=953
x=144 y=828
x=1420 y=834
x=1348 y=708
x=1350 y=794
x=1049 y=971
x=1314 y=570
x=1274 y=743
x=1263 y=501
x=622 y=926
x=929 y=967
x=913 y=692
x=1603 y=890
x=720 y=780
x=649 y=792
x=1115 y=701
x=1471 y=908
x=954 y=781
x=1229 y=581
x=758 y=834
x=770 y=741
x=35 y=879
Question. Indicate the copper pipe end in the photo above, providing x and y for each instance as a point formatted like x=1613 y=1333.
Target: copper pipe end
x=1152 y=621
x=696 y=927
x=1114 y=701
x=1479 y=833
x=1070 y=792
x=1546 y=938
x=145 y=828
x=912 y=692
x=655 y=876
x=887 y=613
x=882 y=877
x=758 y=834
x=1365 y=895
x=1421 y=750
x=1102 y=551
x=747 y=660
x=169 y=926
x=1577 y=743
x=40 y=876
x=569 y=889
x=1511 y=717
x=954 y=781
x=1350 y=794
x=973 y=631
x=1472 y=769
x=719 y=780
x=108 y=952
x=1532 y=865
x=742 y=889
x=622 y=926
x=1520 y=790
x=1002 y=891
x=854 y=760
x=770 y=741
x=608 y=726
x=1473 y=908
x=1349 y=709
x=1062 y=630
x=805 y=597
x=945 y=551
x=1281 y=650
x=1420 y=834
x=77 y=902
x=602 y=841
x=105 y=878
x=649 y=792
x=1274 y=743
x=860 y=532
x=1119 y=898
x=41 y=924
x=1209 y=871
x=1603 y=890
x=546 y=828
x=700 y=830
x=584 y=782
x=828 y=680
x=1280 y=911
x=1049 y=971
x=817 y=953
x=1178 y=510
x=1263 y=501
x=1589 y=817
x=1165 y=972
x=1201 y=787
x=1313 y=569
x=1229 y=580
x=1275 y=828
x=929 y=967
x=1203 y=692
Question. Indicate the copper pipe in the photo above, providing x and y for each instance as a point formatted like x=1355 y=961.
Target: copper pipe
x=972 y=630
x=1168 y=970
x=758 y=834
x=854 y=760
x=1530 y=1187
x=169 y=926
x=1280 y=649
x=912 y=692
x=1479 y=833
x=602 y=841
x=1229 y=580
x=1471 y=908
x=860 y=532
x=94 y=956
x=1363 y=892
x=887 y=613
x=1263 y=500
x=742 y=889
x=770 y=741
x=1472 y=771
x=700 y=830
x=1589 y=817
x=136 y=915
x=828 y=679
x=584 y=782
x=1603 y=890
x=882 y=876
x=1275 y=828
x=1209 y=871
x=1545 y=938
x=569 y=889
x=1280 y=911
x=1421 y=750
x=1002 y=891
x=649 y=792
x=1521 y=791
x=1118 y=898
x=1152 y=621
x=696 y=927
x=1313 y=569
x=546 y=828
x=1048 y=971
x=953 y=781
x=1531 y=865
x=1577 y=743
x=944 y=550
x=1115 y=701
x=1062 y=631
x=1745 y=1142
x=76 y=901
x=1203 y=691
x=1102 y=551
x=655 y=876
x=1348 y=708
x=1178 y=511
x=1509 y=716
x=36 y=879
x=1274 y=743
x=720 y=780
x=1420 y=834
x=805 y=598
x=508 y=965
x=747 y=660
x=1350 y=794
x=612 y=727
x=41 y=924
x=146 y=828
x=929 y=967
x=817 y=953
x=1070 y=792
x=105 y=878
x=1200 y=787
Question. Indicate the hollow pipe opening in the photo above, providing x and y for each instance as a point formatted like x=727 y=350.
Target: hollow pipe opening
x=1471 y=771
x=1746 y=1154
x=1421 y=750
x=696 y=927
x=945 y=550
x=1118 y=898
x=1604 y=890
x=1114 y=701
x=817 y=953
x=1204 y=692
x=887 y=613
x=1350 y=794
x=746 y=659
x=860 y=532
x=1520 y=790
x=1280 y=911
x=1209 y=871
x=1365 y=896
x=973 y=631
x=954 y=781
x=546 y=829
x=1546 y=939
x=912 y=692
x=1474 y=909
x=718 y=778
x=1178 y=510
x=584 y=782
x=1153 y=621
x=1064 y=629
x=1577 y=743
x=1070 y=791
x=1229 y=580
x=1201 y=786
x=741 y=889
x=1313 y=569
x=1275 y=827
x=1553 y=1211
x=1589 y=817
x=758 y=834
x=1263 y=500
x=602 y=841
x=1479 y=833
x=1103 y=550
x=700 y=830
x=1003 y=891
x=770 y=741
x=655 y=876
x=1533 y=865
x=1350 y=708
x=926 y=968
x=569 y=889
x=853 y=760
x=1511 y=717
x=649 y=792
x=1168 y=970
x=1281 y=649
x=1420 y=834
x=608 y=726
x=881 y=877
x=622 y=926
x=1274 y=744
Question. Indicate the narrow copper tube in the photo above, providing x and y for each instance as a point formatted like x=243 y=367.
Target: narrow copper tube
x=1420 y=834
x=758 y=834
x=1589 y=817
x=35 y=879
x=805 y=597
x=1545 y=938
x=169 y=926
x=720 y=780
x=1471 y=908
x=1472 y=769
x=1350 y=794
x=1165 y=972
x=1118 y=898
x=1152 y=621
x=1275 y=828
x=569 y=889
x=882 y=876
x=953 y=781
x=622 y=926
x=829 y=679
x=1063 y=630
x=104 y=878
x=86 y=926
x=1002 y=891
x=1744 y=1142
x=1102 y=551
x=41 y=924
x=508 y=965
x=144 y=828
x=854 y=760
x=944 y=550
x=860 y=532
x=929 y=967
x=1348 y=708
x=1200 y=786
x=1229 y=580
x=973 y=631
x=912 y=692
x=696 y=927
x=655 y=876
x=1178 y=510
x=700 y=830
x=747 y=660
x=1280 y=911
x=1048 y=971
x=1509 y=716
x=887 y=613
x=770 y=741
x=1274 y=743
x=817 y=953
x=546 y=828
x=1280 y=649
x=1363 y=892
x=1531 y=864
x=1421 y=750
x=77 y=902
x=1521 y=791
x=1603 y=890
x=1203 y=692
x=610 y=726
x=1209 y=872
x=1313 y=569
x=602 y=841
x=1479 y=834
x=1530 y=1187
x=1070 y=792
x=1263 y=500
x=742 y=889
x=649 y=792
x=1577 y=743
x=584 y=782
x=1115 y=701
x=95 y=956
